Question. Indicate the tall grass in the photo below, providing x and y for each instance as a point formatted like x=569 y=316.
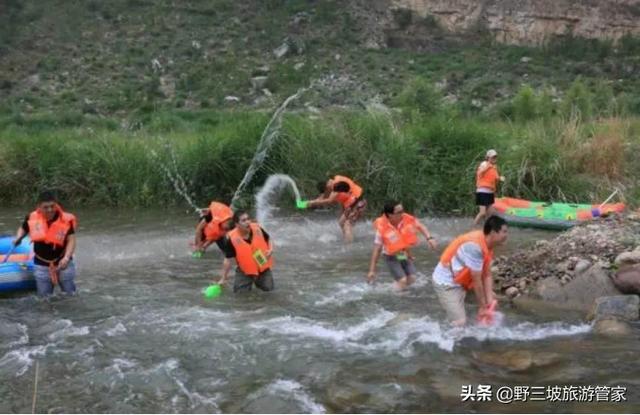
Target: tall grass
x=426 y=161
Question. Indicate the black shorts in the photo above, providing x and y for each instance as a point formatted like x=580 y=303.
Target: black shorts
x=485 y=199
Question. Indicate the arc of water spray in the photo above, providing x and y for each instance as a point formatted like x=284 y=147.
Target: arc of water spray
x=265 y=142
x=175 y=178
x=274 y=184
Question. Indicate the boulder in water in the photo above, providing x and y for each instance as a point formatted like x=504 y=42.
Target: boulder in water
x=625 y=307
x=628 y=258
x=627 y=279
x=612 y=327
x=517 y=360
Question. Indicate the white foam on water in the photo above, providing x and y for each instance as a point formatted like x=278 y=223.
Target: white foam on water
x=17 y=330
x=292 y=391
x=347 y=293
x=21 y=360
x=304 y=327
x=118 y=329
x=68 y=330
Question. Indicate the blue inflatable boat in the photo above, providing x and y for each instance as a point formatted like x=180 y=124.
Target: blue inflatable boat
x=17 y=273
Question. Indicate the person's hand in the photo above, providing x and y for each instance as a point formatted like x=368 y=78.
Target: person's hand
x=64 y=263
x=302 y=204
x=433 y=244
x=371 y=276
x=222 y=281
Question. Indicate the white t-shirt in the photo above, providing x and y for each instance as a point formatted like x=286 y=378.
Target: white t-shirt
x=469 y=255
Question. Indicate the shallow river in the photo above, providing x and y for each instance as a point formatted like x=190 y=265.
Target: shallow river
x=140 y=337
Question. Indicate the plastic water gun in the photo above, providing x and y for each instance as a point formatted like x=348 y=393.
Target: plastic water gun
x=302 y=204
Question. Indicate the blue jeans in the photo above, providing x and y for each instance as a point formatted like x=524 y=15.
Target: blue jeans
x=66 y=279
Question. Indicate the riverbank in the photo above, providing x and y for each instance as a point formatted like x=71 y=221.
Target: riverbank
x=426 y=161
x=577 y=269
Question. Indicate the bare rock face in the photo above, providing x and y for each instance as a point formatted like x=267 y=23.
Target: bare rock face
x=532 y=21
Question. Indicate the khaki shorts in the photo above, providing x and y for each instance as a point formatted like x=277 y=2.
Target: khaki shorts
x=452 y=300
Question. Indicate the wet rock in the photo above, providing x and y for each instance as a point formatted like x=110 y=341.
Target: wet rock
x=588 y=286
x=612 y=327
x=550 y=289
x=517 y=360
x=624 y=307
x=581 y=266
x=627 y=279
x=628 y=258
x=345 y=397
x=512 y=292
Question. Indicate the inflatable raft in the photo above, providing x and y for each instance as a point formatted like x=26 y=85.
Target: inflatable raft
x=548 y=215
x=17 y=273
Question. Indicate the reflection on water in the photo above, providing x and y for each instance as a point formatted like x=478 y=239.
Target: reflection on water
x=141 y=338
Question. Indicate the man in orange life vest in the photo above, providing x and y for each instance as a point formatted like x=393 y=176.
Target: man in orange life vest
x=396 y=232
x=52 y=232
x=344 y=191
x=466 y=265
x=212 y=227
x=487 y=178
x=250 y=245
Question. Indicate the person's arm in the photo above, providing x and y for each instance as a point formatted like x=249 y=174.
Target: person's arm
x=427 y=235
x=478 y=288
x=267 y=238
x=199 y=236
x=323 y=201
x=484 y=166
x=68 y=251
x=487 y=284
x=20 y=234
x=375 y=254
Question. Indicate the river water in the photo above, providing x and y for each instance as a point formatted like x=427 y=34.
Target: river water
x=140 y=337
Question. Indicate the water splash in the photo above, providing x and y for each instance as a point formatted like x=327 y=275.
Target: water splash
x=173 y=174
x=272 y=187
x=266 y=141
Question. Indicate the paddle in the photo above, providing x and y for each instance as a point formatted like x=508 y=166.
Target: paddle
x=6 y=258
x=608 y=199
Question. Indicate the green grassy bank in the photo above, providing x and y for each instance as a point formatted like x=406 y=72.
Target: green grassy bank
x=425 y=160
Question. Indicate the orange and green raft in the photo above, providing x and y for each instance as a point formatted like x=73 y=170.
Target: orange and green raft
x=548 y=215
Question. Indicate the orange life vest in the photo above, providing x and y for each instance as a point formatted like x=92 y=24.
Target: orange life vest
x=56 y=232
x=220 y=213
x=396 y=239
x=487 y=178
x=463 y=277
x=251 y=257
x=347 y=199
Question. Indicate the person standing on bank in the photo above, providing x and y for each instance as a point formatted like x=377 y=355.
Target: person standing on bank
x=396 y=233
x=250 y=245
x=52 y=232
x=465 y=265
x=487 y=178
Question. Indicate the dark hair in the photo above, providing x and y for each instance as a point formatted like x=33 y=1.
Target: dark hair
x=389 y=207
x=46 y=196
x=493 y=223
x=341 y=187
x=237 y=214
x=321 y=186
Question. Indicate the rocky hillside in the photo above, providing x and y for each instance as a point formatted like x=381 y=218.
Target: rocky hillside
x=118 y=56
x=533 y=21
